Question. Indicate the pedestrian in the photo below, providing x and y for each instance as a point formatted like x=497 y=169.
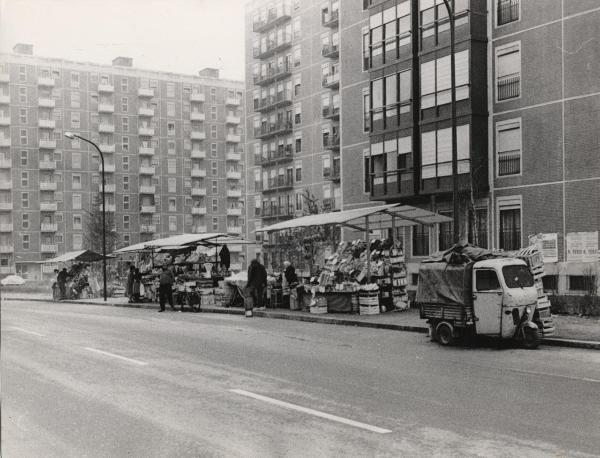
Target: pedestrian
x=257 y=282
x=137 y=283
x=165 y=288
x=129 y=288
x=61 y=278
x=289 y=283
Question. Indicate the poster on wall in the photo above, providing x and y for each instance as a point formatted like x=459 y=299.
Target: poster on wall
x=582 y=246
x=547 y=244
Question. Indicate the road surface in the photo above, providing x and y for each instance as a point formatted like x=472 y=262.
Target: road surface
x=94 y=381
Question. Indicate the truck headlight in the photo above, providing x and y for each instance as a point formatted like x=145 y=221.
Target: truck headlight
x=528 y=310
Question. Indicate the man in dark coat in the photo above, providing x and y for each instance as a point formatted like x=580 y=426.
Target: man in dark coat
x=165 y=288
x=225 y=257
x=257 y=282
x=130 y=279
x=62 y=283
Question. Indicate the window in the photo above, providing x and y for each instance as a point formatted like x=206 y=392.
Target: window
x=124 y=84
x=298 y=171
x=171 y=165
x=172 y=185
x=75 y=120
x=507 y=11
x=23 y=137
x=214 y=169
x=213 y=150
x=508 y=71
x=171 y=109
x=297 y=113
x=215 y=224
x=125 y=144
x=25 y=179
x=366 y=110
x=213 y=113
x=76 y=201
x=215 y=205
x=25 y=221
x=213 y=131
x=391 y=96
x=215 y=187
x=436 y=79
x=75 y=143
x=170 y=90
x=125 y=163
x=478 y=225
x=388 y=33
x=550 y=282
x=297 y=56
x=508 y=146
x=25 y=199
x=24 y=158
x=77 y=241
x=297 y=85
x=75 y=100
x=126 y=202
x=76 y=181
x=171 y=128
x=420 y=240
x=172 y=204
x=74 y=79
x=436 y=150
x=23 y=115
x=172 y=223
x=77 y=222
x=25 y=241
x=22 y=73
x=434 y=17
x=367 y=170
x=581 y=282
x=486 y=280
x=509 y=226
x=126 y=183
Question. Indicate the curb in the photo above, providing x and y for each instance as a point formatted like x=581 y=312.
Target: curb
x=550 y=341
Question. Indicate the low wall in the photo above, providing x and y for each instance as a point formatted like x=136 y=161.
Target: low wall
x=575 y=305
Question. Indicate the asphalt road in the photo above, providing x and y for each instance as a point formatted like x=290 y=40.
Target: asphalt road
x=97 y=381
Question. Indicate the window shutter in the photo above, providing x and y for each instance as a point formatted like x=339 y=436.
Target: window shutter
x=509 y=62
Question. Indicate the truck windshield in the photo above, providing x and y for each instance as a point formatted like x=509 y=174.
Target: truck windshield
x=517 y=276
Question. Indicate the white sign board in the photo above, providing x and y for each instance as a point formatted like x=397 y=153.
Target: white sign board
x=547 y=244
x=582 y=246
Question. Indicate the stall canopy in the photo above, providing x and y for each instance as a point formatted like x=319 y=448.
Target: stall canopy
x=382 y=216
x=76 y=256
x=176 y=241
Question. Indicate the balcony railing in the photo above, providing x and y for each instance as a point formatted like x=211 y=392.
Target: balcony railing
x=4 y=77
x=145 y=92
x=330 y=204
x=198 y=154
x=273 y=74
x=47 y=165
x=48 y=248
x=197 y=135
x=233 y=156
x=47 y=144
x=5 y=185
x=106 y=108
x=199 y=210
x=331 y=112
x=48 y=186
x=272 y=47
x=330 y=50
x=4 y=120
x=197 y=97
x=392 y=182
x=146 y=131
x=7 y=248
x=4 y=206
x=6 y=227
x=233 y=101
x=332 y=173
x=5 y=163
x=509 y=163
x=234 y=211
x=49 y=227
x=507 y=11
x=198 y=173
x=233 y=138
x=109 y=167
x=47 y=123
x=232 y=119
x=107 y=147
x=331 y=80
x=331 y=142
x=509 y=86
x=5 y=141
x=280 y=99
x=198 y=191
x=146 y=151
x=280 y=182
x=106 y=128
x=234 y=229
x=146 y=111
x=106 y=87
x=147 y=208
x=278 y=212
x=271 y=129
x=48 y=206
x=108 y=187
x=148 y=228
x=44 y=102
x=234 y=193
x=147 y=189
x=147 y=170
x=283 y=154
x=233 y=175
x=275 y=16
x=46 y=81
x=110 y=208
x=197 y=116
x=330 y=19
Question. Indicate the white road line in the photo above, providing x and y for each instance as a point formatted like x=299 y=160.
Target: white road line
x=134 y=361
x=316 y=413
x=33 y=333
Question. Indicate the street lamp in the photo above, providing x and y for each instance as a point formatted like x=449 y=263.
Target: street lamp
x=71 y=135
x=450 y=7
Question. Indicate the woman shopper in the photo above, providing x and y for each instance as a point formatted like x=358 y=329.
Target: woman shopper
x=137 y=282
x=257 y=282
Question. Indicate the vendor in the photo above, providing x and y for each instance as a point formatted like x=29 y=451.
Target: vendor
x=289 y=282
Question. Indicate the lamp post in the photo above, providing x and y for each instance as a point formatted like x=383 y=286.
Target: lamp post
x=450 y=7
x=71 y=135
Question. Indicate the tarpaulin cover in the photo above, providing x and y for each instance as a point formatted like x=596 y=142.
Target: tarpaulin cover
x=462 y=254
x=440 y=282
x=80 y=256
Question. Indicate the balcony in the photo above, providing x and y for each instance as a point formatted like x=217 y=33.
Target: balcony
x=198 y=173
x=273 y=74
x=147 y=208
x=4 y=77
x=197 y=97
x=6 y=227
x=106 y=108
x=147 y=189
x=48 y=206
x=331 y=81
x=5 y=141
x=233 y=175
x=509 y=163
x=234 y=212
x=47 y=144
x=509 y=86
x=4 y=99
x=107 y=147
x=6 y=249
x=279 y=183
x=392 y=184
x=147 y=170
x=233 y=101
x=46 y=81
x=44 y=102
x=197 y=135
x=331 y=113
x=235 y=193
x=110 y=208
x=199 y=229
x=5 y=163
x=198 y=191
x=275 y=17
x=146 y=131
x=148 y=228
x=237 y=230
x=145 y=92
x=279 y=155
x=271 y=129
x=5 y=185
x=233 y=138
x=330 y=50
x=330 y=204
x=198 y=154
x=48 y=186
x=106 y=128
x=49 y=227
x=4 y=120
x=198 y=210
x=4 y=206
x=108 y=187
x=231 y=156
x=330 y=19
x=47 y=165
x=332 y=174
x=232 y=119
x=146 y=111
x=47 y=123
x=146 y=151
x=273 y=47
x=197 y=116
x=108 y=167
x=331 y=142
x=106 y=88
x=48 y=248
x=273 y=102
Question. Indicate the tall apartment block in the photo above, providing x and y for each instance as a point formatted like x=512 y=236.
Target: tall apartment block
x=527 y=83
x=296 y=73
x=173 y=148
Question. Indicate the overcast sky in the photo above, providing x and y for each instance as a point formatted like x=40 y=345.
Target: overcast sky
x=181 y=36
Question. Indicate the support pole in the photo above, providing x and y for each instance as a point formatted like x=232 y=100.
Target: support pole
x=368 y=241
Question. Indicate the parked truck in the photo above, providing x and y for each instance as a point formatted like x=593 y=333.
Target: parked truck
x=471 y=291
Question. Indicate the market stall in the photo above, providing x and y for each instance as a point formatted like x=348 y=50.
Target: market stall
x=363 y=276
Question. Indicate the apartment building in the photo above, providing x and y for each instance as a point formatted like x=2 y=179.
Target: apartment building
x=296 y=73
x=527 y=125
x=173 y=146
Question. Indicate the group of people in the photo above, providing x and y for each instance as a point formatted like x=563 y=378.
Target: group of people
x=165 y=289
x=71 y=284
x=134 y=284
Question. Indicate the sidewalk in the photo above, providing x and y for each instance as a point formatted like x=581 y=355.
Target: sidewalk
x=571 y=331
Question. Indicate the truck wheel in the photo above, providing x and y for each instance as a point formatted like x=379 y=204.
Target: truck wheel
x=444 y=333
x=531 y=338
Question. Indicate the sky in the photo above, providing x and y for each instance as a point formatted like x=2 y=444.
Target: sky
x=182 y=36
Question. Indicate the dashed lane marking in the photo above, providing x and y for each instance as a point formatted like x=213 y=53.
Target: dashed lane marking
x=26 y=331
x=112 y=355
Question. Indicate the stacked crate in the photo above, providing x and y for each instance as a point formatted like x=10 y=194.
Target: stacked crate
x=399 y=277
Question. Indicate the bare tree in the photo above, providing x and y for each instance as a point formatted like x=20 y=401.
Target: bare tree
x=93 y=233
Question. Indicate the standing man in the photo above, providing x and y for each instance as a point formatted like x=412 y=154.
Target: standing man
x=61 y=278
x=290 y=283
x=257 y=282
x=165 y=289
x=130 y=279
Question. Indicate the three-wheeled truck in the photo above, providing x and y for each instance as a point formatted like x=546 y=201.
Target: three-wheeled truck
x=492 y=296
